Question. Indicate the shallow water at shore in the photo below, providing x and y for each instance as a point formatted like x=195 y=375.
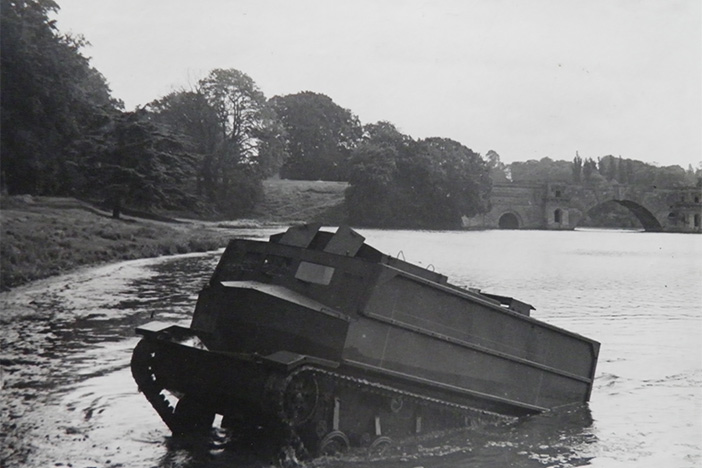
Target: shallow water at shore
x=69 y=398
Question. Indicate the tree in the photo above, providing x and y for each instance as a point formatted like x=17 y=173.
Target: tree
x=373 y=174
x=577 y=168
x=544 y=170
x=610 y=167
x=621 y=171
x=602 y=166
x=272 y=152
x=189 y=113
x=629 y=169
x=457 y=182
x=320 y=136
x=589 y=167
x=670 y=176
x=238 y=105
x=50 y=96
x=243 y=120
x=234 y=131
x=138 y=163
x=399 y=182
x=498 y=169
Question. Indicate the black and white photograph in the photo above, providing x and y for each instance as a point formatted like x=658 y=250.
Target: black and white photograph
x=367 y=234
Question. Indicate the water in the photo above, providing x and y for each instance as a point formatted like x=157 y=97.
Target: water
x=69 y=398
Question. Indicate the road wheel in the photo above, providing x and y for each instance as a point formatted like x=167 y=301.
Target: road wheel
x=333 y=444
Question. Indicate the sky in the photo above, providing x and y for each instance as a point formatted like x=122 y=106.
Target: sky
x=525 y=78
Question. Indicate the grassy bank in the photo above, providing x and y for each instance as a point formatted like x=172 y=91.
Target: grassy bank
x=45 y=236
x=42 y=237
x=295 y=201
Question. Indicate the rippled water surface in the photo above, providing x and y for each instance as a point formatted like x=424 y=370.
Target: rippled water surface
x=69 y=398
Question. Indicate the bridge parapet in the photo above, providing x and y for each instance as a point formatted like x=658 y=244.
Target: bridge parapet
x=560 y=206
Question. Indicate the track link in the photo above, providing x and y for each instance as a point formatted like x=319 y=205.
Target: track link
x=318 y=424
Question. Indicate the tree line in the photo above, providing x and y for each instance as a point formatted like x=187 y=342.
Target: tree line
x=205 y=150
x=603 y=170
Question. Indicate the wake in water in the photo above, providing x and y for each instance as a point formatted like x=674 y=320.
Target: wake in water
x=561 y=438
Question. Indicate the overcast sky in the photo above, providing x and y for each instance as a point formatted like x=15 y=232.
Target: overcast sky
x=526 y=78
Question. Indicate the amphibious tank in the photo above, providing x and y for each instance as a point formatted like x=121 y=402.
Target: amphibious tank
x=327 y=343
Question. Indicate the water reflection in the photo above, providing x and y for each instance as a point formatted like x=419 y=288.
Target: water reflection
x=75 y=321
x=172 y=290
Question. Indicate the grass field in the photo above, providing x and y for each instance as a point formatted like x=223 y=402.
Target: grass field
x=301 y=201
x=43 y=236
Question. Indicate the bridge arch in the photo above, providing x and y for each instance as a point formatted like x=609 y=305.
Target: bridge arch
x=536 y=205
x=558 y=216
x=509 y=220
x=647 y=219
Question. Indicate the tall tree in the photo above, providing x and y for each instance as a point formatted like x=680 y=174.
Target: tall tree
x=50 y=96
x=137 y=163
x=320 y=136
x=236 y=134
x=373 y=174
x=243 y=117
x=189 y=113
x=577 y=168
x=239 y=106
x=589 y=167
x=498 y=169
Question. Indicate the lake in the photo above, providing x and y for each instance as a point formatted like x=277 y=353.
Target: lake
x=69 y=396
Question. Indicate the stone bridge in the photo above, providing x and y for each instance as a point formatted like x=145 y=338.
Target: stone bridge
x=562 y=206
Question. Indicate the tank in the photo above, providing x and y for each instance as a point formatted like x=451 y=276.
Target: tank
x=322 y=343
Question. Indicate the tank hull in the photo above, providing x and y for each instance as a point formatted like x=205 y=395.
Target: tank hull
x=329 y=343
x=302 y=403
x=418 y=330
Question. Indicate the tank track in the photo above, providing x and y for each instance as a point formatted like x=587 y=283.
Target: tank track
x=387 y=390
x=143 y=372
x=187 y=416
x=318 y=426
x=314 y=410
